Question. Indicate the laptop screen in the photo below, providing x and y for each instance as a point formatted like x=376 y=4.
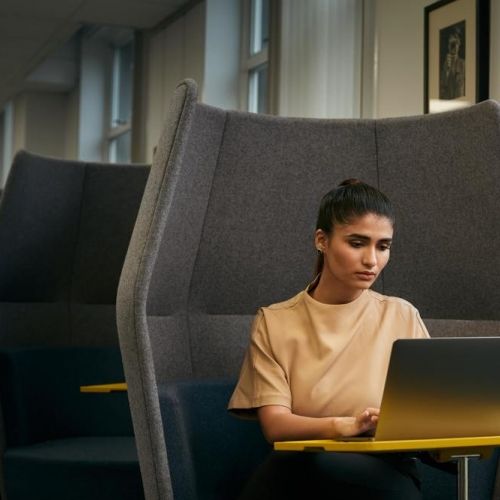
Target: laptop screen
x=441 y=387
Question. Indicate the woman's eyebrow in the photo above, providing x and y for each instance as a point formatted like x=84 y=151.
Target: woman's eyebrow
x=358 y=236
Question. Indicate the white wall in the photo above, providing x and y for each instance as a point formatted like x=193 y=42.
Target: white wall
x=399 y=26
x=41 y=123
x=222 y=54
x=171 y=55
x=46 y=123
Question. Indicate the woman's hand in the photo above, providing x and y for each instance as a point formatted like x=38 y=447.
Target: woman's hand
x=352 y=426
x=280 y=424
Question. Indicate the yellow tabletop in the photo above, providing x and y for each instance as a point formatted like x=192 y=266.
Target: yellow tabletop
x=118 y=387
x=447 y=447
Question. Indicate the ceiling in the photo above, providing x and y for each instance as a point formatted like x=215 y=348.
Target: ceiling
x=31 y=30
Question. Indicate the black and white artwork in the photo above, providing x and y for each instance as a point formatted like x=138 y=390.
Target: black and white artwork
x=452 y=61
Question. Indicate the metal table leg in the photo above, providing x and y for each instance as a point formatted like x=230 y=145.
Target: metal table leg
x=462 y=456
x=463 y=478
x=463 y=474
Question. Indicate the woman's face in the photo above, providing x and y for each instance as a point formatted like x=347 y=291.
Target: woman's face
x=355 y=254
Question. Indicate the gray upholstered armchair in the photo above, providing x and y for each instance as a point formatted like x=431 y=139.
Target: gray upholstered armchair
x=64 y=231
x=226 y=226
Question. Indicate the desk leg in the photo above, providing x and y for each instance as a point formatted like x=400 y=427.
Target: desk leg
x=463 y=478
x=462 y=457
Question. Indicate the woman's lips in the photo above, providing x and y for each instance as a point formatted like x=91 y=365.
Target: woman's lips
x=365 y=276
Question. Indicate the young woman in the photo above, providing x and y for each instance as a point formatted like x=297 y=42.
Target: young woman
x=316 y=364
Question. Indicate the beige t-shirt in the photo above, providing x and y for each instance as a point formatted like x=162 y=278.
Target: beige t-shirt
x=321 y=359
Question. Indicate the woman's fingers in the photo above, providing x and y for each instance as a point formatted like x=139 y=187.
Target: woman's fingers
x=369 y=414
x=367 y=419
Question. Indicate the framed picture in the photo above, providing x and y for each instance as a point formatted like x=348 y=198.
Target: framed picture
x=456 y=54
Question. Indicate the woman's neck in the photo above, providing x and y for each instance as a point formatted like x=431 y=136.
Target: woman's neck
x=328 y=291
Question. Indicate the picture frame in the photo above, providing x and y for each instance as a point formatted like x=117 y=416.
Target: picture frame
x=456 y=54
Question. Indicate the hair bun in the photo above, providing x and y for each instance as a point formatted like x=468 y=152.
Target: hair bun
x=350 y=182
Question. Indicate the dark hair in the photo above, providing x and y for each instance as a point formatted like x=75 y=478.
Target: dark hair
x=350 y=199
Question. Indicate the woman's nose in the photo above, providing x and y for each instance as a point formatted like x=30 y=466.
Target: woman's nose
x=370 y=257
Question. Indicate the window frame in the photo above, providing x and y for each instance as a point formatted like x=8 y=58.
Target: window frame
x=251 y=63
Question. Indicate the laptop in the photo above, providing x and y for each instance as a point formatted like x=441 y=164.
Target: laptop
x=440 y=388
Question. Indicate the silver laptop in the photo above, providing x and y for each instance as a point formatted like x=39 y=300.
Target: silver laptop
x=441 y=388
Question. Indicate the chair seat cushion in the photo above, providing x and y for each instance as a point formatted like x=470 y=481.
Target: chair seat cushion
x=118 y=451
x=74 y=469
x=41 y=399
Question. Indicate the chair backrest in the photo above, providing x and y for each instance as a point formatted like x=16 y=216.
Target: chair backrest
x=227 y=221
x=64 y=231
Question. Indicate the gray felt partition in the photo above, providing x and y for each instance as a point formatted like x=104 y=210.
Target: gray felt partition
x=227 y=221
x=64 y=231
x=443 y=174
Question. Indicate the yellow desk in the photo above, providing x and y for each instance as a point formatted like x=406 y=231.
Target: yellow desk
x=118 y=387
x=460 y=449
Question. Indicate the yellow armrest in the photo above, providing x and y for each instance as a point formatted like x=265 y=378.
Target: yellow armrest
x=120 y=386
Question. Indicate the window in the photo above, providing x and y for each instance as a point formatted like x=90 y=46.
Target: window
x=259 y=26
x=257 y=89
x=120 y=131
x=255 y=58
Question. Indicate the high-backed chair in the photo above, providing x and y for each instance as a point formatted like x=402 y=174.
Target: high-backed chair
x=226 y=225
x=64 y=231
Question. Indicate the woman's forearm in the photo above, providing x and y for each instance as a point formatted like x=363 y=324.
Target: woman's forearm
x=287 y=427
x=280 y=424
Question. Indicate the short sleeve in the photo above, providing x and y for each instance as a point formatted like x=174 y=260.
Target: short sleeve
x=262 y=380
x=420 y=330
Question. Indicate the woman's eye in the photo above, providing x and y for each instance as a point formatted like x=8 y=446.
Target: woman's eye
x=356 y=244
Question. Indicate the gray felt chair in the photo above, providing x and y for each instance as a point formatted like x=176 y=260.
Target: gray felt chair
x=226 y=225
x=64 y=231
